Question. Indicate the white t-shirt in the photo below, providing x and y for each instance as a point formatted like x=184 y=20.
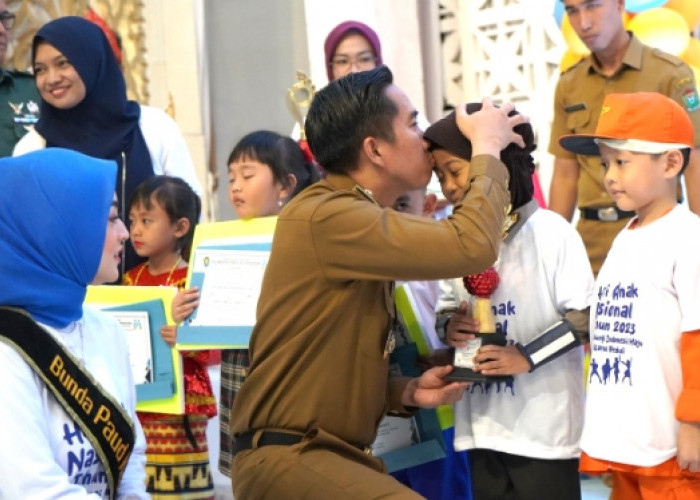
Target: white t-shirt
x=647 y=293
x=167 y=147
x=544 y=271
x=44 y=454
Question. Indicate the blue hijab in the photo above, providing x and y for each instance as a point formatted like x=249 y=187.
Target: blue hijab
x=105 y=123
x=53 y=219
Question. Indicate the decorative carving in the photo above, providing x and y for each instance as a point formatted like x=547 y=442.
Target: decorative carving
x=123 y=16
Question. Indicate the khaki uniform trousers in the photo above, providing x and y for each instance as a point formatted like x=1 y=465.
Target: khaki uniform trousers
x=320 y=467
x=598 y=236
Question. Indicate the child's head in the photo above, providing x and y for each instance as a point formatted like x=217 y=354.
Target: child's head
x=416 y=202
x=452 y=153
x=644 y=140
x=265 y=170
x=163 y=212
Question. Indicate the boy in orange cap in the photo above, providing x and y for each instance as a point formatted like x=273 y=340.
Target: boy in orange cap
x=642 y=420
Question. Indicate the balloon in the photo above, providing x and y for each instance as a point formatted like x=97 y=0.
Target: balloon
x=696 y=72
x=692 y=53
x=689 y=9
x=662 y=28
x=571 y=38
x=642 y=5
x=558 y=11
x=569 y=59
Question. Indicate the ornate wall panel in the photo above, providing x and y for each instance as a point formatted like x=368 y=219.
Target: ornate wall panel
x=509 y=50
x=123 y=16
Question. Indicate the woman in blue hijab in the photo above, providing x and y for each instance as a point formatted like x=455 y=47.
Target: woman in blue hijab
x=59 y=232
x=84 y=107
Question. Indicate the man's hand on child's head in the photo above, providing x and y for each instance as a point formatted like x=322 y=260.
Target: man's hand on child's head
x=184 y=304
x=490 y=129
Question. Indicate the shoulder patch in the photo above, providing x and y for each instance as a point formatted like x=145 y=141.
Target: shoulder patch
x=676 y=61
x=691 y=101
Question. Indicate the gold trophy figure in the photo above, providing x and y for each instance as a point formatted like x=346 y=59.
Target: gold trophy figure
x=480 y=286
x=299 y=98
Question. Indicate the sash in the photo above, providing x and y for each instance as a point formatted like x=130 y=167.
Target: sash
x=103 y=421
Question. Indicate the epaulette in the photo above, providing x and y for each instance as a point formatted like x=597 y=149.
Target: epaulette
x=676 y=61
x=573 y=66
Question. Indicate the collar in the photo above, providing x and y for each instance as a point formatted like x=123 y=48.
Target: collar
x=632 y=58
x=341 y=182
x=516 y=219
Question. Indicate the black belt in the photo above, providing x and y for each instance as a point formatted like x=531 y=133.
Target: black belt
x=244 y=441
x=606 y=214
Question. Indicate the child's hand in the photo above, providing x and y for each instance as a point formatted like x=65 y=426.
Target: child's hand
x=461 y=327
x=169 y=334
x=688 y=444
x=500 y=360
x=184 y=303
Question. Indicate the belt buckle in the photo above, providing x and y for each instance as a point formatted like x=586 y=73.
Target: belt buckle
x=607 y=214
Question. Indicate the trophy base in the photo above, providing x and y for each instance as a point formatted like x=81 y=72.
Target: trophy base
x=461 y=374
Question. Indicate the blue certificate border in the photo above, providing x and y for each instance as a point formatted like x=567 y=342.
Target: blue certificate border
x=432 y=445
x=235 y=336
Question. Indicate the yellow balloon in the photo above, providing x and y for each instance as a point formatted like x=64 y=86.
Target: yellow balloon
x=662 y=28
x=626 y=18
x=571 y=38
x=692 y=52
x=569 y=59
x=696 y=73
x=689 y=9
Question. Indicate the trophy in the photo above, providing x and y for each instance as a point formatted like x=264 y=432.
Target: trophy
x=480 y=286
x=299 y=98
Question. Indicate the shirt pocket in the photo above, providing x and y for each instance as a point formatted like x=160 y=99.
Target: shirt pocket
x=579 y=121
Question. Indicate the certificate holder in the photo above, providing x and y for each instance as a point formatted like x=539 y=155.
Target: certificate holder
x=130 y=305
x=227 y=265
x=406 y=442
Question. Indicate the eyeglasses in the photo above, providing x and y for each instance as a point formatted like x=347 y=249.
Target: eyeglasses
x=363 y=61
x=7 y=19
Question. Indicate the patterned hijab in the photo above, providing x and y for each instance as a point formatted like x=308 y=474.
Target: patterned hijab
x=53 y=218
x=105 y=123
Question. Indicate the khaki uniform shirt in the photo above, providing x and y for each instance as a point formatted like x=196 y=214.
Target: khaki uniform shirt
x=577 y=103
x=325 y=307
x=579 y=99
x=19 y=107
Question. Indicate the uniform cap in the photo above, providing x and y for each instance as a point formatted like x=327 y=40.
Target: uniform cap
x=642 y=122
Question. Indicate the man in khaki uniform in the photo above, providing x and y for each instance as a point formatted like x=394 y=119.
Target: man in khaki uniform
x=618 y=63
x=19 y=98
x=319 y=383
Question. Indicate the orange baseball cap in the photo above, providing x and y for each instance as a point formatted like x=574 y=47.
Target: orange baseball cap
x=643 y=122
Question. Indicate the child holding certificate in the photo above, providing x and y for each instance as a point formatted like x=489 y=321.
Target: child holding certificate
x=265 y=170
x=163 y=212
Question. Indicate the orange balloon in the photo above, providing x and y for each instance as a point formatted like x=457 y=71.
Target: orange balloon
x=692 y=52
x=572 y=40
x=569 y=59
x=662 y=28
x=689 y=9
x=626 y=18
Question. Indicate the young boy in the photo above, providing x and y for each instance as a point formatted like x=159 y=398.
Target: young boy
x=523 y=435
x=642 y=415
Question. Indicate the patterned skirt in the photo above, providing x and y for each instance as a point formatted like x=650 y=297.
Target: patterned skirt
x=177 y=457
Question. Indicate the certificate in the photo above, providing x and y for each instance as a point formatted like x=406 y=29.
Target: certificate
x=406 y=442
x=138 y=338
x=227 y=265
x=157 y=368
